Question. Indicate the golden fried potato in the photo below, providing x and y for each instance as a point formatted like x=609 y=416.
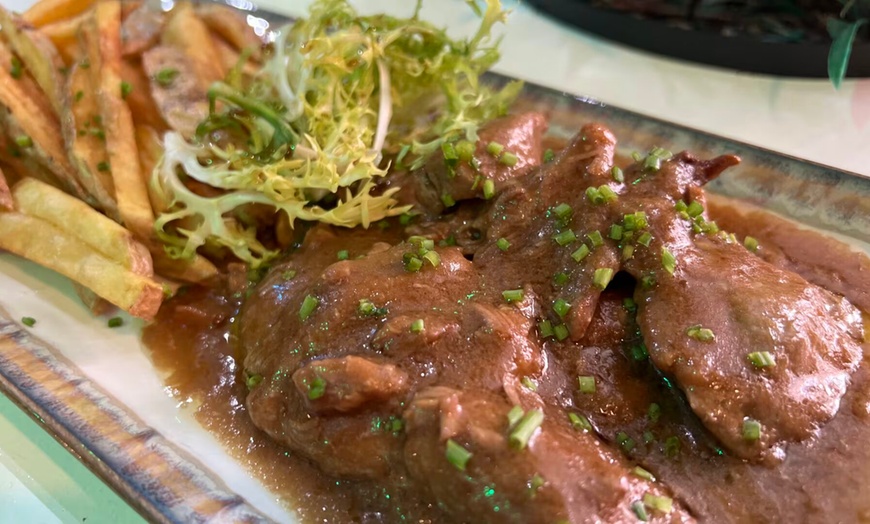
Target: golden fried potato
x=91 y=300
x=141 y=29
x=6 y=202
x=76 y=218
x=231 y=26
x=64 y=35
x=142 y=104
x=48 y=11
x=187 y=33
x=51 y=247
x=179 y=95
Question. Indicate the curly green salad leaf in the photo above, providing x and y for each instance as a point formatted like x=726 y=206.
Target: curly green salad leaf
x=308 y=134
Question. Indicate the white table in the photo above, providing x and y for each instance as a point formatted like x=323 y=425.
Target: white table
x=40 y=482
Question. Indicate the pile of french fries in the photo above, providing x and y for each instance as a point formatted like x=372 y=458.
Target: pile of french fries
x=87 y=90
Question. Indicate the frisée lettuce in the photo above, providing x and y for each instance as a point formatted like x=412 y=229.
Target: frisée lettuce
x=308 y=134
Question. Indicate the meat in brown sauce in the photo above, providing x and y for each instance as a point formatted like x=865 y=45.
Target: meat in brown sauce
x=438 y=354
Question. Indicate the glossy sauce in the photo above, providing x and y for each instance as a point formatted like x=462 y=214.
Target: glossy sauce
x=191 y=341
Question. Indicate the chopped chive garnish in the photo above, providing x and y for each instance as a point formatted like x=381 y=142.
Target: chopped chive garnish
x=405 y=218
x=103 y=166
x=561 y=332
x=762 y=359
x=654 y=412
x=658 y=503
x=457 y=455
x=639 y=511
x=629 y=304
x=417 y=326
x=607 y=194
x=639 y=352
x=450 y=156
x=648 y=281
x=587 y=384
x=642 y=473
x=503 y=244
x=645 y=239
x=545 y=328
x=594 y=195
x=751 y=430
x=309 y=304
x=289 y=274
x=515 y=415
x=695 y=209
x=560 y=279
x=581 y=253
x=79 y=95
x=579 y=422
x=316 y=388
x=602 y=277
x=637 y=157
x=563 y=211
x=166 y=76
x=627 y=252
x=494 y=148
x=616 y=232
x=343 y=254
x=464 y=150
x=549 y=155
x=618 y=175
x=564 y=238
x=649 y=437
x=513 y=295
x=28 y=321
x=625 y=442
x=681 y=207
x=17 y=68
x=447 y=200
x=672 y=446
x=529 y=384
x=561 y=307
x=596 y=238
x=488 y=189
x=669 y=262
x=535 y=484
x=652 y=163
x=701 y=333
x=412 y=263
x=126 y=89
x=367 y=308
x=750 y=243
x=521 y=434
x=115 y=322
x=253 y=380
x=508 y=159
x=432 y=257
x=23 y=141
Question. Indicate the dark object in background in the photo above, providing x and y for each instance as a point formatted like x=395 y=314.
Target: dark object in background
x=760 y=44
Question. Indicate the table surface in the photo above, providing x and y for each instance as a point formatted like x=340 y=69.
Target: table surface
x=41 y=482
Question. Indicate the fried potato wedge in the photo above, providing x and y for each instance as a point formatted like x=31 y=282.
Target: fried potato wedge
x=188 y=33
x=48 y=11
x=179 y=96
x=6 y=202
x=87 y=146
x=230 y=24
x=34 y=130
x=76 y=218
x=45 y=244
x=141 y=29
x=150 y=151
x=103 y=32
x=142 y=104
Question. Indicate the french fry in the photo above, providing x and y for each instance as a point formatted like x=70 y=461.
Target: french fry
x=141 y=29
x=48 y=11
x=91 y=300
x=87 y=149
x=142 y=104
x=64 y=35
x=150 y=151
x=196 y=270
x=77 y=219
x=48 y=246
x=6 y=202
x=186 y=32
x=180 y=99
x=230 y=56
x=230 y=25
x=103 y=33
x=30 y=121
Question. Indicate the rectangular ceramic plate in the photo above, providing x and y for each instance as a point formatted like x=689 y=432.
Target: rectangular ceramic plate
x=96 y=390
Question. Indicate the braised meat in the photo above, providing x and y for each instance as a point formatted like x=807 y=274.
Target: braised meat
x=583 y=346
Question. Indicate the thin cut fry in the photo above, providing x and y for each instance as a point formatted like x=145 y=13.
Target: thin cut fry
x=76 y=218
x=30 y=122
x=87 y=149
x=150 y=152
x=186 y=32
x=142 y=104
x=196 y=270
x=130 y=189
x=230 y=24
x=64 y=35
x=48 y=11
x=6 y=202
x=45 y=244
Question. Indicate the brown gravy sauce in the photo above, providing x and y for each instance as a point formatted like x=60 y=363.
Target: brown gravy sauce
x=191 y=341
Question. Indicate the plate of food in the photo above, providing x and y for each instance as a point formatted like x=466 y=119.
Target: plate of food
x=330 y=269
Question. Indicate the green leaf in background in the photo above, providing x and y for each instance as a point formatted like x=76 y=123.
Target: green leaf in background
x=843 y=33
